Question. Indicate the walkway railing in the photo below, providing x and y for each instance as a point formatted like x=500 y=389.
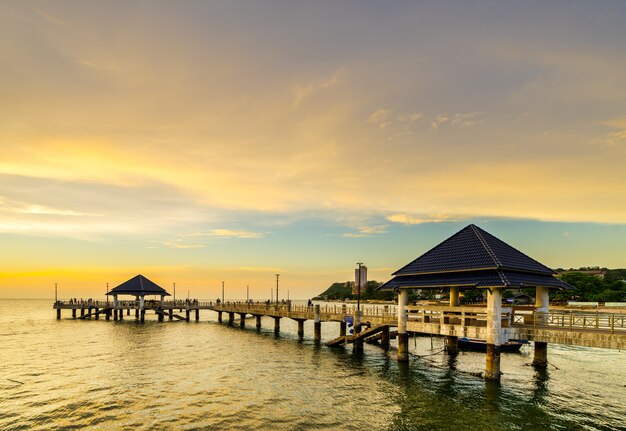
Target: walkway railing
x=572 y=320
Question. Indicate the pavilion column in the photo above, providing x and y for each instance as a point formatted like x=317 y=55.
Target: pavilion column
x=142 y=306
x=542 y=307
x=452 y=341
x=136 y=307
x=494 y=333
x=258 y=322
x=403 y=336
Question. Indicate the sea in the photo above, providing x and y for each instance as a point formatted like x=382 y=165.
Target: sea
x=104 y=375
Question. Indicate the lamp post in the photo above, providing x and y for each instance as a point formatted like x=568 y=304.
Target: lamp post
x=277 y=288
x=247 y=294
x=56 y=296
x=174 y=293
x=222 y=293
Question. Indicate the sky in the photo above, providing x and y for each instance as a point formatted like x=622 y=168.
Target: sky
x=197 y=142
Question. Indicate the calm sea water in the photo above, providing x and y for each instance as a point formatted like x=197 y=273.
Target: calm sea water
x=97 y=375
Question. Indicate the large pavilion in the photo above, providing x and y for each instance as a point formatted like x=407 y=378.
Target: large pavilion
x=470 y=259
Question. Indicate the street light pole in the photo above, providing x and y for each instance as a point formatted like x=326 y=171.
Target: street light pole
x=277 y=288
x=174 y=292
x=247 y=293
x=222 y=292
x=56 y=296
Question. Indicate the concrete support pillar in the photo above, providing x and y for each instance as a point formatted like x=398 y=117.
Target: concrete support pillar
x=492 y=369
x=187 y=315
x=540 y=358
x=160 y=318
x=171 y=314
x=115 y=314
x=317 y=325
x=300 y=329
x=219 y=316
x=122 y=314
x=258 y=322
x=58 y=313
x=73 y=313
x=107 y=314
x=82 y=312
x=342 y=329
x=197 y=314
x=142 y=317
x=452 y=345
x=357 y=346
x=317 y=332
x=231 y=319
x=403 y=336
x=454 y=297
x=494 y=333
x=128 y=312
x=276 y=325
x=136 y=313
x=97 y=313
x=384 y=338
x=242 y=320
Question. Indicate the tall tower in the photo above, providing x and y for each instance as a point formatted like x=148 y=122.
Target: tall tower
x=362 y=279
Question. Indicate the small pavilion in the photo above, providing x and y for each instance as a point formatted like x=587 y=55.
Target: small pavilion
x=472 y=258
x=138 y=286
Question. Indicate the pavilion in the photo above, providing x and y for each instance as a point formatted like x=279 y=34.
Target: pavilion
x=138 y=286
x=470 y=259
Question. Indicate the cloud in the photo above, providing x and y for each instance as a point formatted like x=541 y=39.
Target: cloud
x=302 y=92
x=380 y=118
x=231 y=233
x=410 y=219
x=364 y=231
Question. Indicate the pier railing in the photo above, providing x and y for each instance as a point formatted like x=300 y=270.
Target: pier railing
x=571 y=320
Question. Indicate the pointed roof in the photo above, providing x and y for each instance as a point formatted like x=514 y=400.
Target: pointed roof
x=138 y=286
x=473 y=257
x=472 y=249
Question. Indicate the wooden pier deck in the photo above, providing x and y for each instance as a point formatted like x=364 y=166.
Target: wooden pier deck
x=572 y=327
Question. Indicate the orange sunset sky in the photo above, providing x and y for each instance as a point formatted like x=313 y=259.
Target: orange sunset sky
x=195 y=142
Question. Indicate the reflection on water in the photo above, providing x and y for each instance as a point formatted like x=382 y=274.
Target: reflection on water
x=174 y=375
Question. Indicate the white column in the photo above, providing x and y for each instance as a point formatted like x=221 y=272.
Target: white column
x=454 y=297
x=403 y=337
x=142 y=302
x=403 y=301
x=542 y=299
x=494 y=316
x=115 y=301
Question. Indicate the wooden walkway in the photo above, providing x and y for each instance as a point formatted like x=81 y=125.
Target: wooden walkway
x=571 y=327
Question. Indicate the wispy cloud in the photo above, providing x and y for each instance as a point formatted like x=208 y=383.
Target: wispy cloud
x=424 y=218
x=381 y=118
x=302 y=92
x=364 y=231
x=230 y=233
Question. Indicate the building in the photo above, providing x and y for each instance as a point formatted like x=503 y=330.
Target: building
x=362 y=279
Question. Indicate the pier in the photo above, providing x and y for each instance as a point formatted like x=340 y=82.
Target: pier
x=472 y=258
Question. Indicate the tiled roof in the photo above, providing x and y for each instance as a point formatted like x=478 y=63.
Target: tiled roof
x=474 y=258
x=471 y=249
x=138 y=285
x=475 y=279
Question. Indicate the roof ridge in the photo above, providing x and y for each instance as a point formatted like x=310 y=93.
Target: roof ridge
x=491 y=253
x=503 y=277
